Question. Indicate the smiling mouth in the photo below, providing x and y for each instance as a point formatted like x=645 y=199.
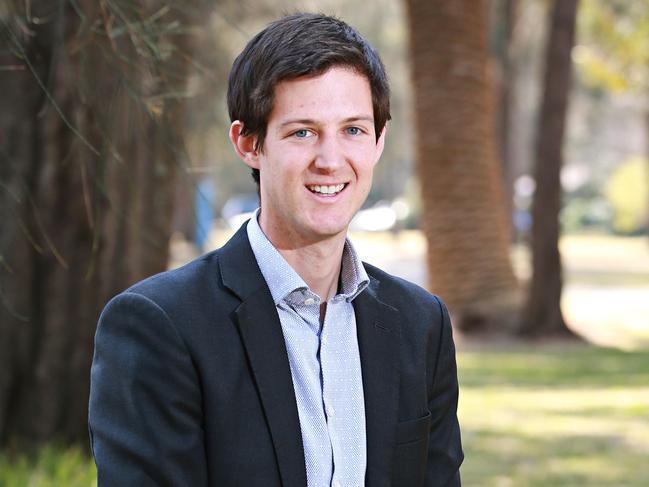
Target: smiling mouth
x=324 y=190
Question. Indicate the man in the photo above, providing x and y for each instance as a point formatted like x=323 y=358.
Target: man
x=281 y=359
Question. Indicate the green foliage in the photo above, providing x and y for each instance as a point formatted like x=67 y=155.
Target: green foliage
x=52 y=467
x=628 y=194
x=613 y=47
x=585 y=213
x=554 y=415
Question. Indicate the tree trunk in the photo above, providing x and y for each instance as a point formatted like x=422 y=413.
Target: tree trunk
x=463 y=215
x=90 y=136
x=506 y=97
x=543 y=315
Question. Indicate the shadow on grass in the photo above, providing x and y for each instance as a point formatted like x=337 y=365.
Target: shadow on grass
x=553 y=415
x=566 y=460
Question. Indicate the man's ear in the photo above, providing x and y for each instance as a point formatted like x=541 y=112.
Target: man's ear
x=244 y=145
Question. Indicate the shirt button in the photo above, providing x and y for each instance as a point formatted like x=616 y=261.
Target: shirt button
x=309 y=301
x=336 y=484
x=330 y=411
x=325 y=340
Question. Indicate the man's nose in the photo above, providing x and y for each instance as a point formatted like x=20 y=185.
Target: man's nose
x=330 y=154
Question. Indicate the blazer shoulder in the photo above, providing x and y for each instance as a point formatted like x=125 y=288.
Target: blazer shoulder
x=168 y=286
x=401 y=293
x=412 y=300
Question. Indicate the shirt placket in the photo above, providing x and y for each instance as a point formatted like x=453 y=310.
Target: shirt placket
x=304 y=305
x=341 y=400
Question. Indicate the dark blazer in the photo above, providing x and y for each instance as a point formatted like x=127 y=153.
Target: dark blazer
x=191 y=383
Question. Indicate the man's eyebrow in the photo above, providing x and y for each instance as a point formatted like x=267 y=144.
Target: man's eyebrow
x=301 y=121
x=309 y=121
x=360 y=118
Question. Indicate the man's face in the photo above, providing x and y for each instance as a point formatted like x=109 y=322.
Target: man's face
x=318 y=157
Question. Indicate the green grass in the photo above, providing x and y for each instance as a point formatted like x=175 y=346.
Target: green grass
x=547 y=415
x=52 y=467
x=554 y=415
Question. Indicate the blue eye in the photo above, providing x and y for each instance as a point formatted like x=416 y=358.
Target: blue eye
x=353 y=131
x=301 y=133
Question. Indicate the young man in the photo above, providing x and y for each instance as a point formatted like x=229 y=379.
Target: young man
x=281 y=359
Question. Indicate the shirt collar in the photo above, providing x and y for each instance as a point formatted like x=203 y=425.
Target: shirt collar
x=282 y=279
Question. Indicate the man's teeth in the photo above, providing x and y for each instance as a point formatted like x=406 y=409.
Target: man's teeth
x=327 y=189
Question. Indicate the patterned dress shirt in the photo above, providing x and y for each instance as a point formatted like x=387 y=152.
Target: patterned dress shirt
x=324 y=361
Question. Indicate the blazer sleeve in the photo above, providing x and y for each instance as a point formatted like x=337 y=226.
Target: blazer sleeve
x=145 y=415
x=444 y=447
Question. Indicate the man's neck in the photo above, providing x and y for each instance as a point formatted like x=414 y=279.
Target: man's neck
x=318 y=263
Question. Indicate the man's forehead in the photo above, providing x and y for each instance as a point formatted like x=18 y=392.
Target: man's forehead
x=338 y=93
x=290 y=84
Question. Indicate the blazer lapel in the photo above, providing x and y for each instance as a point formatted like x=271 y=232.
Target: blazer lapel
x=263 y=340
x=379 y=333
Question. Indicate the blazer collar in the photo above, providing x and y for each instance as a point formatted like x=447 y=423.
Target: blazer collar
x=262 y=337
x=239 y=270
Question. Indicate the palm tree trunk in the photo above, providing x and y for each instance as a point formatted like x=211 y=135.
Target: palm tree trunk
x=463 y=217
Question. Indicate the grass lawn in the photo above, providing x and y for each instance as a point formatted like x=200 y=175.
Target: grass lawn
x=547 y=415
x=52 y=467
x=554 y=415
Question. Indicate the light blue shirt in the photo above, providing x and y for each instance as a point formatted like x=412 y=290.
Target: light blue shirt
x=324 y=361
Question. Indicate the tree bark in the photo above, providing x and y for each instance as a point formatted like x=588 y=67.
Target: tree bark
x=90 y=137
x=463 y=217
x=543 y=316
x=506 y=98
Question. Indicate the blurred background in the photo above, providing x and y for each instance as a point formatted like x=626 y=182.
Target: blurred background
x=515 y=184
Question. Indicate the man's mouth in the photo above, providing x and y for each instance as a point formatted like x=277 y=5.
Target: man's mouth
x=330 y=190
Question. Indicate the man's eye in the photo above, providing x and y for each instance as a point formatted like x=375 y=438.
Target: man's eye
x=353 y=131
x=302 y=133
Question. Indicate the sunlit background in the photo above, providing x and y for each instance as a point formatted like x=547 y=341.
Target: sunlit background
x=116 y=165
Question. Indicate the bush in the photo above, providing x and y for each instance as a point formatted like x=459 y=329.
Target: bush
x=628 y=195
x=586 y=214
